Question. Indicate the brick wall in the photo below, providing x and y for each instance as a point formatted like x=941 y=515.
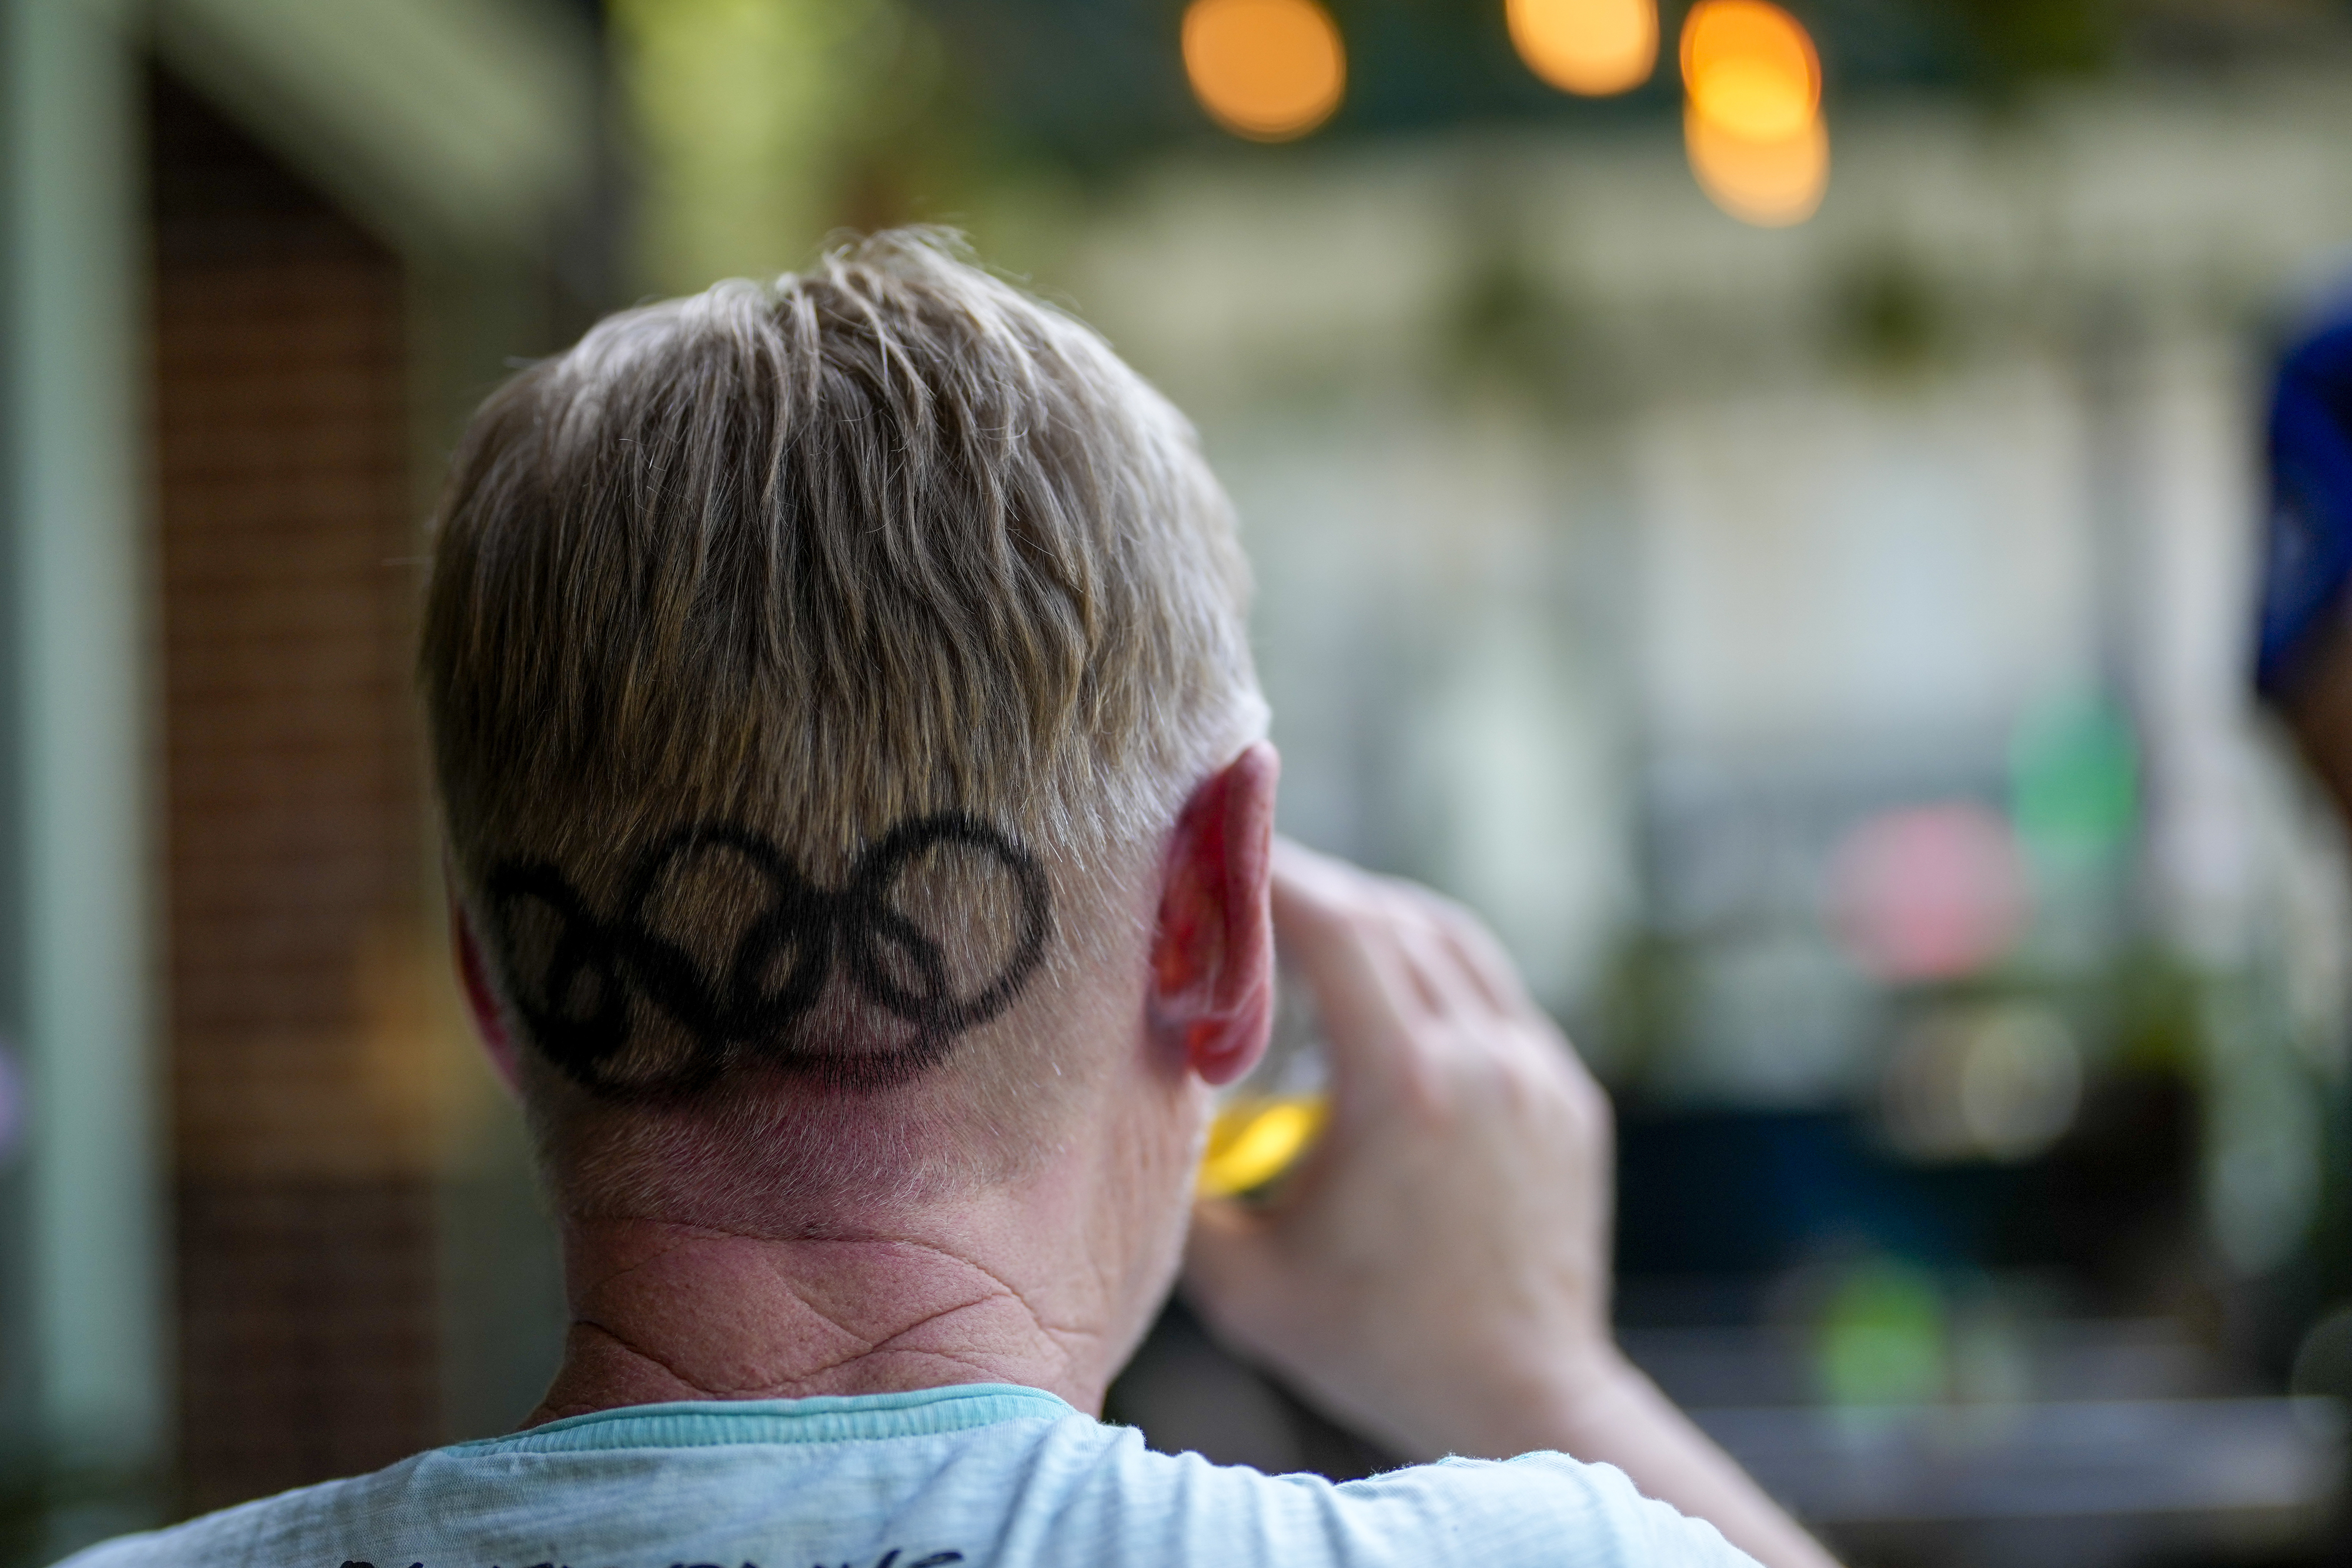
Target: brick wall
x=300 y=1022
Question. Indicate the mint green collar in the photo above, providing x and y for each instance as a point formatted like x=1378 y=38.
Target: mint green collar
x=833 y=1418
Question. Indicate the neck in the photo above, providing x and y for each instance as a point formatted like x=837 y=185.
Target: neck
x=976 y=1293
x=667 y=1310
x=1047 y=1280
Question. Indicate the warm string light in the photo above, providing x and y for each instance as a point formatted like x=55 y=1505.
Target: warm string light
x=1272 y=70
x=1592 y=48
x=1752 y=114
x=1266 y=69
x=1750 y=69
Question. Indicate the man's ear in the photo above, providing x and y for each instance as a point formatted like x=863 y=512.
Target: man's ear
x=482 y=1001
x=1213 y=948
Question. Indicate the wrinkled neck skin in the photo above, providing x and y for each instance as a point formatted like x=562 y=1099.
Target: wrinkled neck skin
x=1048 y=1283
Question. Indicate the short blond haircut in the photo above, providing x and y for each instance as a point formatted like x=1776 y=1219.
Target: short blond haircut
x=841 y=631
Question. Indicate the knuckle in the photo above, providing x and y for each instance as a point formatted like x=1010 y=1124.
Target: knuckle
x=1454 y=912
x=1425 y=1092
x=1458 y=919
x=1524 y=1086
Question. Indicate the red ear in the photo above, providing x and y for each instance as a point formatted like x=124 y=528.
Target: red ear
x=489 y=1023
x=1213 y=950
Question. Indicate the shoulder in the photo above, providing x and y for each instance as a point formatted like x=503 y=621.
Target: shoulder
x=1024 y=1494
x=1542 y=1507
x=257 y=1533
x=1545 y=1508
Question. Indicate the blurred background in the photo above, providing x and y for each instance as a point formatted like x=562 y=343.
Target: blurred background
x=1763 y=503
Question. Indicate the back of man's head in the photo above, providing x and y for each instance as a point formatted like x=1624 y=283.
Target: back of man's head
x=813 y=670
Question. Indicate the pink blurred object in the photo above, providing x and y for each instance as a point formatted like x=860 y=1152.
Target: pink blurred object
x=1928 y=892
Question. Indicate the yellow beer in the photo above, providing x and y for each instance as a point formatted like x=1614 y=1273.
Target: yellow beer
x=1255 y=1139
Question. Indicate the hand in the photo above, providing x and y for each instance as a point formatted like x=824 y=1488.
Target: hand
x=1437 y=1272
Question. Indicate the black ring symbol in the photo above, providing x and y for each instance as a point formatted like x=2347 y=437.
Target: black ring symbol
x=579 y=1012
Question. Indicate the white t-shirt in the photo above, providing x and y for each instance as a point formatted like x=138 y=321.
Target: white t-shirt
x=988 y=1476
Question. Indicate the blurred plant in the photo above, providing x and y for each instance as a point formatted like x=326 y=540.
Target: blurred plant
x=1888 y=319
x=1510 y=327
x=745 y=113
x=2154 y=1011
x=2074 y=794
x=1882 y=1339
x=2074 y=779
x=1642 y=1006
x=2016 y=42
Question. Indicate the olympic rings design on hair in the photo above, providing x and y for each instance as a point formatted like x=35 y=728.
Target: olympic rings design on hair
x=579 y=1012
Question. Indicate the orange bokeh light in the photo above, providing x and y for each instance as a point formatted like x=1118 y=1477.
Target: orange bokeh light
x=1266 y=69
x=1752 y=119
x=1594 y=48
x=1751 y=68
x=1769 y=183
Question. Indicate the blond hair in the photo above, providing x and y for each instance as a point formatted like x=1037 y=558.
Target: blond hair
x=842 y=599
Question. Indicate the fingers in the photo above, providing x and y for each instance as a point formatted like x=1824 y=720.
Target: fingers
x=1404 y=977
x=1343 y=925
x=1482 y=956
x=1408 y=939
x=1327 y=922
